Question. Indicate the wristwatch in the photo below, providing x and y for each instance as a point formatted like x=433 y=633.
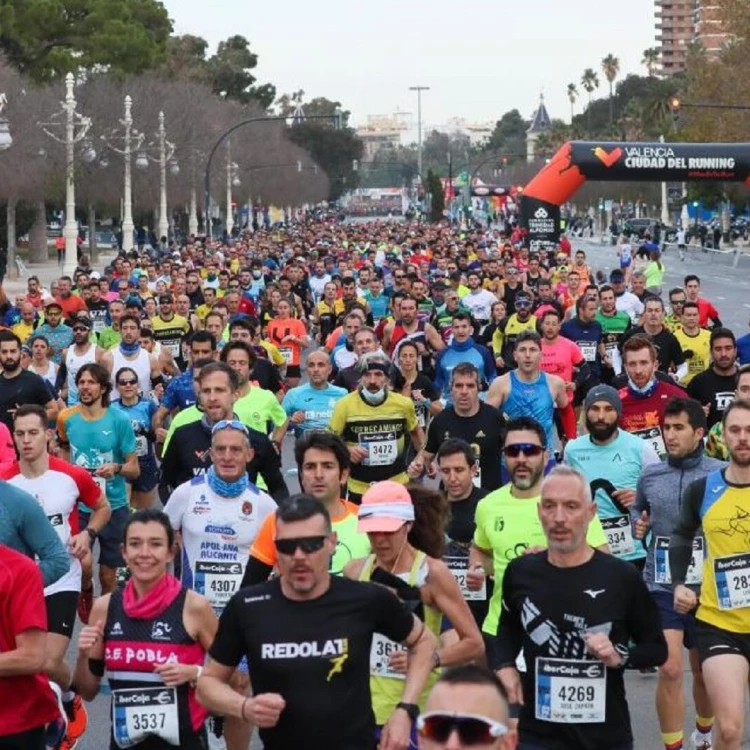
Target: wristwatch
x=412 y=710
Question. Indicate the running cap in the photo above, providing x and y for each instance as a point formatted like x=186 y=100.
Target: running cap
x=385 y=507
x=604 y=393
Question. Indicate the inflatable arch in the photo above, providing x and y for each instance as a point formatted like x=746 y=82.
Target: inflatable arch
x=579 y=161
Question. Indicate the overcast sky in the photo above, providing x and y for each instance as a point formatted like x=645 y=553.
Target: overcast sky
x=479 y=59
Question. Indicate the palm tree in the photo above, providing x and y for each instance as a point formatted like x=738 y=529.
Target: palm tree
x=650 y=60
x=589 y=81
x=610 y=67
x=572 y=97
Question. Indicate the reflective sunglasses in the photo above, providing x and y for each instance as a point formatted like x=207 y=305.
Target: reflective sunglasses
x=229 y=424
x=523 y=303
x=528 y=449
x=472 y=729
x=133 y=381
x=308 y=544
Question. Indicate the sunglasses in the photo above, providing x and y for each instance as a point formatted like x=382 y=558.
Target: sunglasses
x=79 y=329
x=308 y=544
x=528 y=449
x=127 y=382
x=523 y=303
x=229 y=424
x=512 y=273
x=471 y=729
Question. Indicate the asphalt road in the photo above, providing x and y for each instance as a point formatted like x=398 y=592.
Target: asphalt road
x=729 y=289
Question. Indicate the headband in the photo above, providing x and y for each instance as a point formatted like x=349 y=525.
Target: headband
x=400 y=511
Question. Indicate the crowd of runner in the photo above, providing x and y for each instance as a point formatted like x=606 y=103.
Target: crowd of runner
x=519 y=478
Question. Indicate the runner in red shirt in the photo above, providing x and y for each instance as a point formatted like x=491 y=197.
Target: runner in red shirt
x=561 y=357
x=706 y=311
x=645 y=397
x=27 y=703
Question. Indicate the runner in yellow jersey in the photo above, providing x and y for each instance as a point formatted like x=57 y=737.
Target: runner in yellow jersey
x=720 y=503
x=694 y=341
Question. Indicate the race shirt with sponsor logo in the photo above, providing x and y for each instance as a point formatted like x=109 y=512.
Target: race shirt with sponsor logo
x=217 y=533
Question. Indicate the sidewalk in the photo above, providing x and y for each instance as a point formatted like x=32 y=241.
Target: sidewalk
x=47 y=272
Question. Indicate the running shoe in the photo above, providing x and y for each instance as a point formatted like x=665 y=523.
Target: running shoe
x=78 y=720
x=700 y=741
x=55 y=733
x=85 y=603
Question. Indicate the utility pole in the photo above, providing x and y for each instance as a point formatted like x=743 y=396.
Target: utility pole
x=419 y=90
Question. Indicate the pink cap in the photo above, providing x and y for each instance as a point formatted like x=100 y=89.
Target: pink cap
x=385 y=507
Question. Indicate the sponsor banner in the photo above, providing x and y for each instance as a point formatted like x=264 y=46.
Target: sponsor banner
x=542 y=219
x=729 y=162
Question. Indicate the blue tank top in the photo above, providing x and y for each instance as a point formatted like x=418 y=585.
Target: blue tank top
x=531 y=400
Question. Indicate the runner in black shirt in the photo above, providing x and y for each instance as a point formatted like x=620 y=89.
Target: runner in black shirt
x=307 y=637
x=580 y=617
x=715 y=387
x=18 y=386
x=457 y=466
x=468 y=418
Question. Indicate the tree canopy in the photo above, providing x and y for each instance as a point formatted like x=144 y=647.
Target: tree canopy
x=45 y=39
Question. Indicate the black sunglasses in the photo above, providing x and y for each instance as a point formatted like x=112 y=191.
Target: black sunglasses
x=77 y=329
x=127 y=382
x=308 y=544
x=471 y=729
x=528 y=449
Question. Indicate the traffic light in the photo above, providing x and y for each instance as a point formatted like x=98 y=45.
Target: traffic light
x=674 y=107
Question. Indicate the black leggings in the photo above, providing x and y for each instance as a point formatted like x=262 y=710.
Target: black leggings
x=32 y=739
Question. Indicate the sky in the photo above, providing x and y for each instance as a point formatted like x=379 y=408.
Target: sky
x=479 y=59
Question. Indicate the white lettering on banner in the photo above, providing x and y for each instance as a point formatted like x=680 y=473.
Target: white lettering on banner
x=662 y=571
x=305 y=650
x=619 y=534
x=380 y=653
x=663 y=157
x=732 y=575
x=570 y=691
x=145 y=712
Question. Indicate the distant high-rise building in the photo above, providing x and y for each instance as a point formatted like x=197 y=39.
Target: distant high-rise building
x=675 y=32
x=679 y=23
x=709 y=28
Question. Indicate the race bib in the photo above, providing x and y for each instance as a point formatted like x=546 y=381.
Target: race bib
x=173 y=347
x=380 y=651
x=141 y=445
x=217 y=581
x=732 y=574
x=98 y=326
x=382 y=449
x=570 y=691
x=459 y=567
x=101 y=483
x=653 y=435
x=56 y=520
x=421 y=417
x=619 y=534
x=588 y=349
x=145 y=712
x=662 y=572
x=286 y=353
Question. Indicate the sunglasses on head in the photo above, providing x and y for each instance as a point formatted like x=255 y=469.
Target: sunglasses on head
x=528 y=449
x=308 y=544
x=472 y=729
x=132 y=381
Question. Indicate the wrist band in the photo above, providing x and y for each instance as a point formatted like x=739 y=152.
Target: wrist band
x=242 y=710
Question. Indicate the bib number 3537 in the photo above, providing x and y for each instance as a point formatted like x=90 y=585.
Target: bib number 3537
x=145 y=712
x=570 y=691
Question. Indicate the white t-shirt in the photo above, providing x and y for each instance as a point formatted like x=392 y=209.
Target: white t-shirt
x=217 y=533
x=58 y=491
x=480 y=303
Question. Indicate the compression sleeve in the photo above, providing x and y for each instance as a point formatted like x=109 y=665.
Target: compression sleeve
x=256 y=572
x=681 y=541
x=510 y=633
x=644 y=626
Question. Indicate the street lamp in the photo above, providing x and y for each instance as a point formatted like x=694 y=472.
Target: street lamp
x=419 y=90
x=6 y=139
x=132 y=140
x=76 y=128
x=233 y=180
x=164 y=157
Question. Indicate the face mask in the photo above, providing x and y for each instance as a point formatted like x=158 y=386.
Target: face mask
x=373 y=398
x=256 y=274
x=647 y=390
x=211 y=276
